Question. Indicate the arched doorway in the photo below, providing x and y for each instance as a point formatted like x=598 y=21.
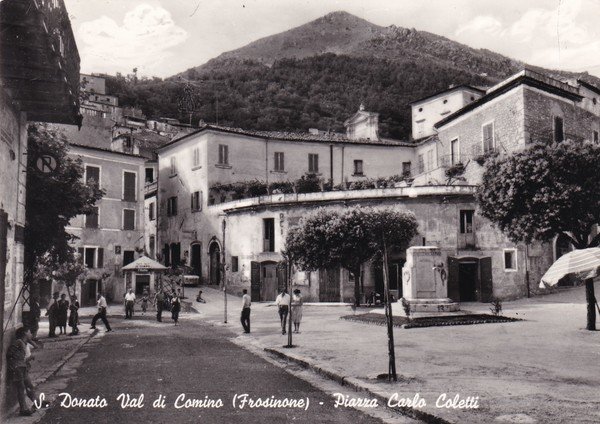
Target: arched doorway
x=196 y=258
x=214 y=273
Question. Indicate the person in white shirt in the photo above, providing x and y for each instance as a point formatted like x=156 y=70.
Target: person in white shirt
x=245 y=319
x=283 y=304
x=101 y=313
x=129 y=303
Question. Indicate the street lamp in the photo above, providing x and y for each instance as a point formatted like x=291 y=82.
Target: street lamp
x=224 y=268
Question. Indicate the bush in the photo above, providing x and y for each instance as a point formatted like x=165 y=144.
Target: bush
x=496 y=307
x=308 y=183
x=255 y=188
x=283 y=187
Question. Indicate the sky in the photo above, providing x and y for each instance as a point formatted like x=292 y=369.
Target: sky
x=164 y=37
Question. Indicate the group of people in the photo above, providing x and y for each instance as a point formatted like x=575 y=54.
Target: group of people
x=60 y=313
x=283 y=308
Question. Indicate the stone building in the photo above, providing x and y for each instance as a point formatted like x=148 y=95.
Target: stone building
x=39 y=81
x=456 y=127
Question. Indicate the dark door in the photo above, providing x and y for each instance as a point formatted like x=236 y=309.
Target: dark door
x=255 y=281
x=269 y=281
x=453 y=283
x=196 y=259
x=142 y=282
x=215 y=264
x=467 y=280
x=89 y=290
x=487 y=285
x=329 y=285
x=395 y=277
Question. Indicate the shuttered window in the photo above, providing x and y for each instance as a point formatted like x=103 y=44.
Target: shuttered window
x=92 y=173
x=313 y=163
x=129 y=186
x=128 y=219
x=223 y=154
x=488 y=137
x=196 y=201
x=172 y=206
x=91 y=219
x=279 y=161
x=269 y=235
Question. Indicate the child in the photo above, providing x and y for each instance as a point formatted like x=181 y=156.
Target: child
x=144 y=301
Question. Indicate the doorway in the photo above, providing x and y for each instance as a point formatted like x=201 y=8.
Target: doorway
x=470 y=279
x=196 y=259
x=329 y=285
x=269 y=281
x=394 y=275
x=467 y=277
x=89 y=290
x=214 y=253
x=142 y=282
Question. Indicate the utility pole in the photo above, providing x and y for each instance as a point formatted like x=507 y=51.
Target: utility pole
x=288 y=269
x=388 y=315
x=224 y=225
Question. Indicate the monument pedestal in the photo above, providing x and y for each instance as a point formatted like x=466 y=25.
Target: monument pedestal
x=424 y=279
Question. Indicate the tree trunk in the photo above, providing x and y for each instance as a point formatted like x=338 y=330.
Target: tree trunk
x=389 y=318
x=591 y=304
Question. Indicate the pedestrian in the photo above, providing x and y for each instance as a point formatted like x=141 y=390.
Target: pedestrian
x=144 y=302
x=283 y=302
x=199 y=297
x=63 y=312
x=74 y=316
x=159 y=302
x=175 y=307
x=35 y=311
x=17 y=369
x=102 y=307
x=245 y=318
x=52 y=314
x=129 y=304
x=297 y=310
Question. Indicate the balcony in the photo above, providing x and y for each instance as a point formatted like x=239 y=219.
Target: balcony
x=39 y=65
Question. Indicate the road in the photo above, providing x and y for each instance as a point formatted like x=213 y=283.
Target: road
x=194 y=360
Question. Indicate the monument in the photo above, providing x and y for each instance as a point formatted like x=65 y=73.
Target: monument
x=425 y=280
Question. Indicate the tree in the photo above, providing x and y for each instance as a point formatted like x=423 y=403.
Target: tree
x=545 y=191
x=349 y=239
x=53 y=199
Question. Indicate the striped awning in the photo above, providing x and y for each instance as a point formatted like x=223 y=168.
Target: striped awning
x=584 y=263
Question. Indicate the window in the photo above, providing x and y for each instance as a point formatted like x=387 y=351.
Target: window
x=91 y=219
x=454 y=154
x=595 y=136
x=151 y=211
x=92 y=173
x=559 y=130
x=358 y=167
x=196 y=201
x=279 y=162
x=173 y=166
x=149 y=175
x=510 y=259
x=129 y=186
x=129 y=219
x=223 y=154
x=429 y=165
x=420 y=164
x=196 y=157
x=128 y=257
x=92 y=257
x=151 y=246
x=466 y=221
x=406 y=166
x=488 y=137
x=269 y=235
x=313 y=163
x=234 y=264
x=172 y=206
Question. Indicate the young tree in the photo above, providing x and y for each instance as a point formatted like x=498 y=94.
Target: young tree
x=53 y=199
x=545 y=191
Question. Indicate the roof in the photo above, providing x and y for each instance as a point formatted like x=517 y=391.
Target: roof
x=525 y=77
x=589 y=86
x=145 y=263
x=100 y=149
x=293 y=136
x=448 y=90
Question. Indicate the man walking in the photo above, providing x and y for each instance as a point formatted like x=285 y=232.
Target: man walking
x=129 y=303
x=159 y=301
x=17 y=369
x=101 y=313
x=246 y=311
x=52 y=314
x=283 y=304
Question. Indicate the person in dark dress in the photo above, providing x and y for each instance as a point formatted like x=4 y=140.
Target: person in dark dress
x=52 y=314
x=175 y=307
x=74 y=316
x=36 y=313
x=63 y=312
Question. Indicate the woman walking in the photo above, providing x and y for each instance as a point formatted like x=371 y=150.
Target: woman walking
x=175 y=307
x=297 y=310
x=74 y=316
x=63 y=312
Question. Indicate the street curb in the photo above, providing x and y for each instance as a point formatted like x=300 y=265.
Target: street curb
x=355 y=384
x=55 y=368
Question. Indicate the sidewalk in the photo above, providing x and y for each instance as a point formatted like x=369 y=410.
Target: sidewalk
x=542 y=369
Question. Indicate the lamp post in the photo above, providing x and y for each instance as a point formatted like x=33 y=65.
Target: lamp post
x=224 y=268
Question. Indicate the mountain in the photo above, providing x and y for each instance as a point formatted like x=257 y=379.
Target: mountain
x=316 y=75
